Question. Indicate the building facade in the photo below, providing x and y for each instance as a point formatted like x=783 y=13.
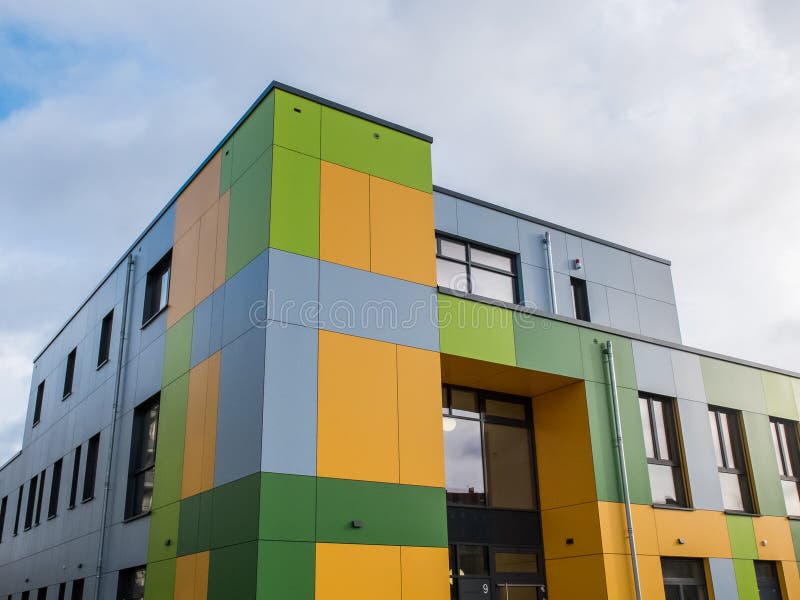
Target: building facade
x=317 y=375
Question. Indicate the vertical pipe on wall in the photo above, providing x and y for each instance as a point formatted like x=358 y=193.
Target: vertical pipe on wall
x=608 y=352
x=551 y=277
x=114 y=415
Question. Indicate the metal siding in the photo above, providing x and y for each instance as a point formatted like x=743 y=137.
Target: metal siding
x=293 y=289
x=653 y=368
x=658 y=319
x=688 y=376
x=622 y=310
x=608 y=266
x=445 y=213
x=701 y=464
x=652 y=279
x=242 y=293
x=723 y=578
x=487 y=226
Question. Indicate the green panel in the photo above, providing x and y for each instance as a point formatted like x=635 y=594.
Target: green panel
x=160 y=580
x=765 y=466
x=380 y=151
x=253 y=137
x=604 y=452
x=794 y=527
x=232 y=572
x=779 y=395
x=177 y=349
x=294 y=218
x=594 y=362
x=746 y=579
x=743 y=538
x=226 y=167
x=390 y=514
x=548 y=346
x=732 y=386
x=297 y=123
x=171 y=437
x=188 y=526
x=288 y=507
x=286 y=570
x=248 y=217
x=235 y=517
x=476 y=330
x=163 y=541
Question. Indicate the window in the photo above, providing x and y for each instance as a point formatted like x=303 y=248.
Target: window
x=143 y=458
x=31 y=503
x=466 y=267
x=77 y=589
x=69 y=376
x=26 y=595
x=41 y=594
x=37 y=409
x=62 y=591
x=769 y=586
x=157 y=288
x=19 y=509
x=55 y=488
x=105 y=339
x=787 y=451
x=684 y=579
x=580 y=298
x=131 y=583
x=76 y=468
x=731 y=462
x=91 y=468
x=38 y=518
x=663 y=452
x=3 y=506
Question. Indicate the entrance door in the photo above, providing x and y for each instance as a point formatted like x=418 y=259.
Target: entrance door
x=769 y=587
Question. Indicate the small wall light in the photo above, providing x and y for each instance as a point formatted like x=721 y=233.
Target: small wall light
x=764 y=542
x=356 y=524
x=681 y=541
x=570 y=541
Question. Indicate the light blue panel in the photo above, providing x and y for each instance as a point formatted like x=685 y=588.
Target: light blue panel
x=445 y=216
x=217 y=319
x=245 y=299
x=653 y=369
x=701 y=462
x=155 y=244
x=535 y=288
x=532 y=248
x=723 y=578
x=201 y=332
x=658 y=319
x=575 y=250
x=293 y=289
x=622 y=310
x=239 y=417
x=127 y=544
x=290 y=400
x=148 y=378
x=487 y=226
x=377 y=307
x=652 y=279
x=688 y=376
x=598 y=303
x=607 y=266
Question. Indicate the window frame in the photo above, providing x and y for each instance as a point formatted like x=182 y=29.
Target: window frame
x=3 y=511
x=30 y=507
x=738 y=443
x=77 y=589
x=136 y=471
x=153 y=289
x=37 y=407
x=468 y=263
x=90 y=472
x=39 y=498
x=69 y=374
x=19 y=508
x=778 y=428
x=674 y=445
x=580 y=306
x=104 y=347
x=125 y=581
x=686 y=581
x=55 y=489
x=76 y=472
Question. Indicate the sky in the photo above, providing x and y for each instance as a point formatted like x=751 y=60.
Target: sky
x=672 y=127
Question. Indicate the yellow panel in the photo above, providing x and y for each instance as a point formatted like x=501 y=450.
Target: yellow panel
x=198 y=197
x=185 y=569
x=344 y=216
x=425 y=573
x=619 y=577
x=563 y=445
x=357 y=409
x=790 y=582
x=777 y=535
x=579 y=523
x=705 y=533
x=579 y=578
x=402 y=240
x=206 y=253
x=419 y=399
x=357 y=572
x=615 y=528
x=222 y=240
x=201 y=428
x=201 y=575
x=183 y=275
x=210 y=429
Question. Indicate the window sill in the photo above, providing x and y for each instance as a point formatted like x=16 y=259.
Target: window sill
x=86 y=500
x=35 y=423
x=102 y=364
x=153 y=317
x=793 y=517
x=740 y=513
x=673 y=507
x=51 y=517
x=136 y=517
x=65 y=396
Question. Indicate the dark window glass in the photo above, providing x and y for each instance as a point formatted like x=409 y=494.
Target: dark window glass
x=77 y=589
x=660 y=427
x=467 y=267
x=55 y=488
x=464 y=461
x=769 y=585
x=31 y=502
x=69 y=375
x=143 y=458
x=38 y=518
x=472 y=560
x=580 y=298
x=684 y=579
x=3 y=507
x=62 y=591
x=509 y=466
x=26 y=595
x=509 y=561
x=19 y=509
x=91 y=468
x=76 y=468
x=105 y=339
x=41 y=594
x=157 y=288
x=731 y=463
x=787 y=452
x=131 y=583
x=37 y=408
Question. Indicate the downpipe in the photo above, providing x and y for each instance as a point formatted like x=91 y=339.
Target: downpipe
x=551 y=277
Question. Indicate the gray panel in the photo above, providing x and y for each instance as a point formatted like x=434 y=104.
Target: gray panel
x=565 y=302
x=723 y=578
x=622 y=310
x=532 y=248
x=701 y=462
x=126 y=544
x=607 y=266
x=151 y=365
x=377 y=307
x=653 y=369
x=239 y=417
x=155 y=244
x=535 y=288
x=290 y=401
x=688 y=376
x=598 y=303
x=444 y=213
x=575 y=250
x=245 y=299
x=487 y=226
x=652 y=279
x=293 y=294
x=658 y=319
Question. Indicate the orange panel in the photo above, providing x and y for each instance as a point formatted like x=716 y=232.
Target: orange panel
x=619 y=577
x=425 y=573
x=198 y=197
x=579 y=523
x=579 y=578
x=201 y=575
x=419 y=398
x=344 y=216
x=704 y=533
x=185 y=569
x=777 y=535
x=402 y=240
x=210 y=428
x=206 y=253
x=790 y=582
x=358 y=572
x=222 y=240
x=183 y=275
x=615 y=528
x=201 y=427
x=357 y=409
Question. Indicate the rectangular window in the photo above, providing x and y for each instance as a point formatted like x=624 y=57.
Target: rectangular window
x=62 y=591
x=77 y=590
x=41 y=594
x=684 y=579
x=769 y=585
x=143 y=458
x=31 y=503
x=76 y=468
x=787 y=452
x=3 y=507
x=580 y=298
x=734 y=478
x=91 y=468
x=156 y=290
x=38 y=518
x=19 y=508
x=55 y=488
x=37 y=408
x=69 y=375
x=26 y=595
x=105 y=339
x=131 y=583
x=467 y=267
x=662 y=449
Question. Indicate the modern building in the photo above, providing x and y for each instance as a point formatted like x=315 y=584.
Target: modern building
x=317 y=375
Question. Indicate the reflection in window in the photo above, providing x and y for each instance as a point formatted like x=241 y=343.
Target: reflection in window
x=787 y=452
x=659 y=426
x=509 y=466
x=515 y=562
x=684 y=579
x=731 y=464
x=464 y=462
x=143 y=458
x=465 y=267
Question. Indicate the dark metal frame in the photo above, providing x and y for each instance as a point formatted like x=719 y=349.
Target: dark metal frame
x=125 y=582
x=104 y=348
x=37 y=407
x=76 y=470
x=790 y=437
x=55 y=488
x=739 y=449
x=673 y=442
x=69 y=374
x=90 y=472
x=688 y=581
x=136 y=470
x=468 y=263
x=153 y=281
